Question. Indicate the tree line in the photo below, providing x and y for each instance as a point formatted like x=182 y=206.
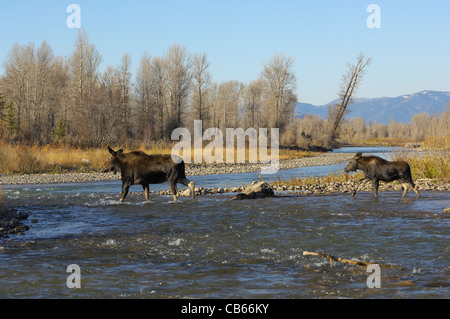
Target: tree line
x=46 y=98
x=312 y=130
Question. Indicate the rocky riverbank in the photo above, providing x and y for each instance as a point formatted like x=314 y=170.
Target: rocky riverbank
x=325 y=188
x=191 y=170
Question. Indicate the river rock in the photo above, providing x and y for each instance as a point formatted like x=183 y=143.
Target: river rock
x=256 y=190
x=446 y=210
x=10 y=222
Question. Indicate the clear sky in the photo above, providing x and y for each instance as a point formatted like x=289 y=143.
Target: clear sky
x=410 y=51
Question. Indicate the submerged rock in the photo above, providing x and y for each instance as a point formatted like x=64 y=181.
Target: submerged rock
x=10 y=222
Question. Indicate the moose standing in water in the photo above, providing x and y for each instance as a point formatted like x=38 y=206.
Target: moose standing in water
x=377 y=169
x=140 y=168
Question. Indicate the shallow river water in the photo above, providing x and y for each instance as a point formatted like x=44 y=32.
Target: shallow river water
x=216 y=247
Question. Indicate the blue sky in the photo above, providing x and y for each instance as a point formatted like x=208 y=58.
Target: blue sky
x=410 y=51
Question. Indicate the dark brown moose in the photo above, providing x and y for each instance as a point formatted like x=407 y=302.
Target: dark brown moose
x=140 y=168
x=377 y=169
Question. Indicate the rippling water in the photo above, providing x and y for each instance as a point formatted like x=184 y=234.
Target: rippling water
x=219 y=248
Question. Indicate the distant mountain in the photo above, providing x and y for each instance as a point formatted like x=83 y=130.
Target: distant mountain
x=381 y=110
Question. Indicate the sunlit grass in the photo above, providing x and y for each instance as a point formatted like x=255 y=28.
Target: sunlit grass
x=330 y=178
x=25 y=159
x=49 y=158
x=433 y=162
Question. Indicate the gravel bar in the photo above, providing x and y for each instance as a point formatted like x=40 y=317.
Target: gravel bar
x=191 y=170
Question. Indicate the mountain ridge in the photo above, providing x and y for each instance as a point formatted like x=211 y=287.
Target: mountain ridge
x=384 y=109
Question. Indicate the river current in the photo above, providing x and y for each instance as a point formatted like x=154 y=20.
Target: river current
x=216 y=247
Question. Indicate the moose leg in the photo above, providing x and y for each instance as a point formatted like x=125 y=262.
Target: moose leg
x=189 y=184
x=146 y=191
x=413 y=187
x=406 y=182
x=376 y=184
x=125 y=188
x=405 y=189
x=174 y=191
x=416 y=191
x=357 y=186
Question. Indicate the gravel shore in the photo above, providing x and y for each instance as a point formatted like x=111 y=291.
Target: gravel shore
x=197 y=169
x=191 y=170
x=324 y=188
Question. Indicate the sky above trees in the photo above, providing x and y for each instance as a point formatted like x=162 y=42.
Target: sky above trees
x=409 y=51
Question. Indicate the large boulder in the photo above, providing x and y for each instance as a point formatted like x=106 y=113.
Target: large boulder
x=256 y=190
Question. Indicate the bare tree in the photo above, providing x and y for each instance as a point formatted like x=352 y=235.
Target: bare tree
x=19 y=66
x=160 y=82
x=349 y=85
x=83 y=67
x=110 y=114
x=32 y=83
x=279 y=83
x=227 y=104
x=213 y=107
x=124 y=76
x=178 y=63
x=201 y=79
x=252 y=103
x=142 y=93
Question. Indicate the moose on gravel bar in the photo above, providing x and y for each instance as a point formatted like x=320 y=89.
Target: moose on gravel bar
x=140 y=168
x=377 y=169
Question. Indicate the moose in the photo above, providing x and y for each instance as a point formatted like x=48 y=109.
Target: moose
x=140 y=168
x=377 y=169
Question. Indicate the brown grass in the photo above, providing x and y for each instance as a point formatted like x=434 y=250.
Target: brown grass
x=433 y=163
x=331 y=178
x=387 y=141
x=25 y=159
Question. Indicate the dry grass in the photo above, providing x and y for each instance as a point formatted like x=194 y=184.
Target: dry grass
x=434 y=163
x=331 y=178
x=25 y=159
x=386 y=141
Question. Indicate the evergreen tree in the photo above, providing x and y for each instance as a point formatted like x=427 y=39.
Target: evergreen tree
x=10 y=118
x=60 y=129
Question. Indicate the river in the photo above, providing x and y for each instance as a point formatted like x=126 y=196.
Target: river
x=219 y=248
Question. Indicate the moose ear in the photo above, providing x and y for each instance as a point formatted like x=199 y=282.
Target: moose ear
x=119 y=151
x=111 y=151
x=358 y=155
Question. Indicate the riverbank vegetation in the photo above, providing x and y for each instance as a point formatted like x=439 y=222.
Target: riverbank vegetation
x=60 y=158
x=312 y=130
x=77 y=101
x=431 y=162
x=57 y=114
